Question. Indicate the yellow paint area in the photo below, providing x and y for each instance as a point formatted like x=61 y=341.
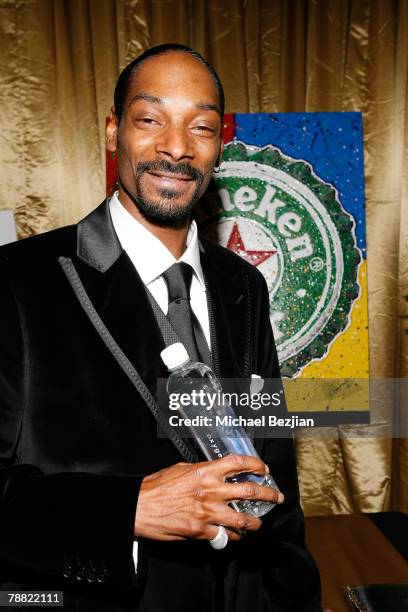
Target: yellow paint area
x=327 y=394
x=348 y=354
x=338 y=381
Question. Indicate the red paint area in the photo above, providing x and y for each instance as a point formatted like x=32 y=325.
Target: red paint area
x=236 y=244
x=111 y=169
x=228 y=132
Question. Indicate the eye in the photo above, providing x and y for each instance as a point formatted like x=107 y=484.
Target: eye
x=205 y=129
x=146 y=122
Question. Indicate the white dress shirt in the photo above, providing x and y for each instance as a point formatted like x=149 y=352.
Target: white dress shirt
x=151 y=258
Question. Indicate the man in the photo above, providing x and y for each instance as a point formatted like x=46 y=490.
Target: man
x=84 y=474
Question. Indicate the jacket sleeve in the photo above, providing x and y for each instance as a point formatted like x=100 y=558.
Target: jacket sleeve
x=74 y=527
x=291 y=576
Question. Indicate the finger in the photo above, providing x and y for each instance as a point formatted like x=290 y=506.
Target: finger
x=235 y=535
x=235 y=521
x=240 y=522
x=238 y=464
x=249 y=490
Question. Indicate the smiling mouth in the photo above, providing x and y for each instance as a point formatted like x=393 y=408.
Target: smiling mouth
x=170 y=176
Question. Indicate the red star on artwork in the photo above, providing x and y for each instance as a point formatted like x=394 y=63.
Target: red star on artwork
x=236 y=244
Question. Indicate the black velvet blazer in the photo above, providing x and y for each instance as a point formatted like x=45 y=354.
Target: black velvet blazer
x=78 y=433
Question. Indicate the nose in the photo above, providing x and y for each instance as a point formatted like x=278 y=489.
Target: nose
x=174 y=143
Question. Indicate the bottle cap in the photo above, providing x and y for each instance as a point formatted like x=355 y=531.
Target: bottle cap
x=174 y=355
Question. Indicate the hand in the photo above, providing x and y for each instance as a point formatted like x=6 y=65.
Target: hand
x=190 y=500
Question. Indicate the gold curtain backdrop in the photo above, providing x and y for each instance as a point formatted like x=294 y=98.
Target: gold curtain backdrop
x=60 y=61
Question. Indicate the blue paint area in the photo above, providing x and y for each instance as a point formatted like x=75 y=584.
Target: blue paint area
x=331 y=142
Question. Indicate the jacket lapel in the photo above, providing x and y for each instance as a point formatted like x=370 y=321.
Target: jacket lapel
x=118 y=294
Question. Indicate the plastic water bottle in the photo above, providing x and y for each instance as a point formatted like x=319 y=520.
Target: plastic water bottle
x=215 y=441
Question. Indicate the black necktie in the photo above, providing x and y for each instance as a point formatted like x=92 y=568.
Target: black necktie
x=178 y=279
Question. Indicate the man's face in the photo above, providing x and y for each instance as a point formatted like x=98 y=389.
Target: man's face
x=169 y=137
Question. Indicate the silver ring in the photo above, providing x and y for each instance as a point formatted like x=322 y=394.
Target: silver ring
x=221 y=539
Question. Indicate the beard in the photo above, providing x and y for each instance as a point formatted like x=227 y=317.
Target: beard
x=162 y=210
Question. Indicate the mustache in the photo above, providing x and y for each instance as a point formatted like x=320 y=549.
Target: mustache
x=165 y=166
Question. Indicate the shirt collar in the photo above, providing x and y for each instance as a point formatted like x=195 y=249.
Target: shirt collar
x=147 y=253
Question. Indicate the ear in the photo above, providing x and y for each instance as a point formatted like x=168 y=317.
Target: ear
x=220 y=153
x=111 y=131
